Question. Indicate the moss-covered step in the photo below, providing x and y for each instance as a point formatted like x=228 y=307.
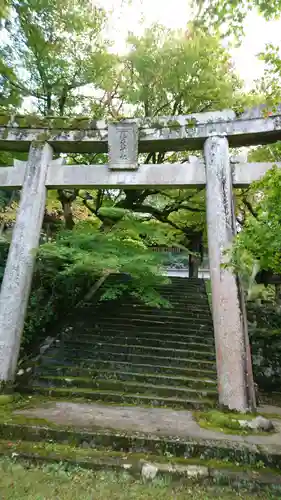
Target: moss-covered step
x=150 y=399
x=200 y=295
x=190 y=307
x=186 y=299
x=170 y=314
x=186 y=304
x=129 y=348
x=145 y=339
x=175 y=286
x=76 y=356
x=184 y=294
x=148 y=378
x=90 y=340
x=186 y=282
x=189 y=469
x=201 y=303
x=152 y=326
x=113 y=441
x=174 y=290
x=133 y=463
x=169 y=320
x=160 y=318
x=183 y=283
x=133 y=303
x=157 y=320
x=49 y=364
x=101 y=351
x=199 y=333
x=126 y=387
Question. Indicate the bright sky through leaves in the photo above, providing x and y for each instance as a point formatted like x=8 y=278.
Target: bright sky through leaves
x=175 y=14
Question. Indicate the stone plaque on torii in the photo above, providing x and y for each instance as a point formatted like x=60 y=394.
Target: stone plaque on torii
x=213 y=132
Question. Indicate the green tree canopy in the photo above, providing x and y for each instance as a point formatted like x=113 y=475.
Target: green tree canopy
x=55 y=51
x=172 y=72
x=52 y=50
x=227 y=16
x=260 y=239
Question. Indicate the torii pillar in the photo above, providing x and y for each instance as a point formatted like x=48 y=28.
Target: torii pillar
x=22 y=254
x=234 y=368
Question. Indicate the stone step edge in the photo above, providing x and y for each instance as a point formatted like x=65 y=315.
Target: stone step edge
x=186 y=302
x=154 y=321
x=193 y=361
x=154 y=328
x=193 y=309
x=158 y=376
x=133 y=464
x=162 y=367
x=164 y=314
x=150 y=349
x=134 y=385
x=125 y=441
x=198 y=333
x=107 y=340
x=117 y=396
x=142 y=341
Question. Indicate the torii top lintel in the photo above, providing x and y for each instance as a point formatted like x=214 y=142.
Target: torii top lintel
x=184 y=132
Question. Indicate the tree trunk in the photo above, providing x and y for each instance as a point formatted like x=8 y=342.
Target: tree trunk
x=68 y=216
x=66 y=200
x=193 y=267
x=278 y=295
x=195 y=258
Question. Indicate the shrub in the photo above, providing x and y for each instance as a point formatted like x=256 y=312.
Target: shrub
x=67 y=267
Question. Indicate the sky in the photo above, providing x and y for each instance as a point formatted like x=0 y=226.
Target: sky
x=176 y=13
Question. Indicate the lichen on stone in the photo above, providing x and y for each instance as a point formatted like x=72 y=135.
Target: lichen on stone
x=173 y=124
x=190 y=122
x=5 y=134
x=4 y=120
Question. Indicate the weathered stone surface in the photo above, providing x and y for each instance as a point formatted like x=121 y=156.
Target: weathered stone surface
x=260 y=111
x=19 y=268
x=176 y=133
x=240 y=158
x=123 y=146
x=229 y=325
x=127 y=466
x=84 y=176
x=46 y=344
x=160 y=425
x=246 y=173
x=173 y=175
x=87 y=123
x=196 y=471
x=149 y=471
x=257 y=424
x=165 y=175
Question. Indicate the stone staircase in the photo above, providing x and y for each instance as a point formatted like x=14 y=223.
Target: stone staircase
x=138 y=358
x=127 y=353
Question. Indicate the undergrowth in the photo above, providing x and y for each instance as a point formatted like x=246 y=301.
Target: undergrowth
x=26 y=482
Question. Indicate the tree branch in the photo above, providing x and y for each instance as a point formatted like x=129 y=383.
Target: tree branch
x=250 y=208
x=148 y=158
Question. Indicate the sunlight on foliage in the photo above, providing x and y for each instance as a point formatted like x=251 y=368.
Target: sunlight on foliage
x=260 y=239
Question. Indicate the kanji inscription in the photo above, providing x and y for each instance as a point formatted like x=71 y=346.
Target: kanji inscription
x=123 y=146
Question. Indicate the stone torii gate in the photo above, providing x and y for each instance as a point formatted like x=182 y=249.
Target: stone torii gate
x=214 y=132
